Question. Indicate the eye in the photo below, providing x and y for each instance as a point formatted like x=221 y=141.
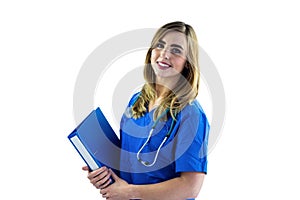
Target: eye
x=160 y=46
x=176 y=51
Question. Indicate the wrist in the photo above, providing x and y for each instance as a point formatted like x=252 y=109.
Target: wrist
x=133 y=192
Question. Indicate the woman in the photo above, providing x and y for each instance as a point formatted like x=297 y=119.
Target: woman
x=164 y=131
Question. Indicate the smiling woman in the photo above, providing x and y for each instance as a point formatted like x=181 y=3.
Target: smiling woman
x=169 y=56
x=176 y=45
x=168 y=60
x=164 y=131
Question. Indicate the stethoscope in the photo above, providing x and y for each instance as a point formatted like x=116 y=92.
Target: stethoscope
x=146 y=163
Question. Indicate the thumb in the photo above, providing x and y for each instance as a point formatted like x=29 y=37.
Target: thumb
x=85 y=168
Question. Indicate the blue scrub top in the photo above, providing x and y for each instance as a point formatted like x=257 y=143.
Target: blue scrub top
x=184 y=151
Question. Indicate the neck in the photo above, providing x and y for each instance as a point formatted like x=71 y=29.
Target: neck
x=164 y=85
x=161 y=91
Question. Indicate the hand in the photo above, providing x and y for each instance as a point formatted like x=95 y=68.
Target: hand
x=100 y=178
x=119 y=190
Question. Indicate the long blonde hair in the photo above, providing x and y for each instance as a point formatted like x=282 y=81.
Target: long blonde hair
x=187 y=87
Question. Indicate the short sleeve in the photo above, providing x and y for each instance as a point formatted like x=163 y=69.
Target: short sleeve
x=134 y=98
x=192 y=141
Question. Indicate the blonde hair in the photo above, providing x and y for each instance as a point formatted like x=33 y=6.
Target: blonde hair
x=187 y=87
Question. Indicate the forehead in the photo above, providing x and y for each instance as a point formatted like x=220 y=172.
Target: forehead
x=175 y=37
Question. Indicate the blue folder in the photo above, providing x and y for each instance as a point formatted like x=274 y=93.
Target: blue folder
x=96 y=142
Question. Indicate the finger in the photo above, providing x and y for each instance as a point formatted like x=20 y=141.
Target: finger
x=104 y=174
x=96 y=172
x=103 y=182
x=106 y=184
x=106 y=196
x=85 y=168
x=104 y=191
x=100 y=178
x=113 y=175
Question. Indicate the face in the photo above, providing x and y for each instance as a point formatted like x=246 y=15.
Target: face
x=169 y=55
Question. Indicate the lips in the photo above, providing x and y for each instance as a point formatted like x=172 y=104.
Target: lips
x=163 y=65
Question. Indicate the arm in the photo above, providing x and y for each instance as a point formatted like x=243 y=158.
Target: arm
x=186 y=186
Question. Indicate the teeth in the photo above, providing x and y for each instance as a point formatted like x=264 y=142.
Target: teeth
x=163 y=65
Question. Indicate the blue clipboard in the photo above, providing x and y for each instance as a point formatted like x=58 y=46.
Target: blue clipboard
x=96 y=142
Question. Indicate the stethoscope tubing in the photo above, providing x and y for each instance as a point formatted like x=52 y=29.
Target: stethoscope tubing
x=146 y=163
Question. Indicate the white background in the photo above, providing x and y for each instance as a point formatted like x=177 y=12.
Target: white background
x=254 y=45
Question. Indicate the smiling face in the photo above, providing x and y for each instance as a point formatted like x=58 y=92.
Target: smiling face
x=168 y=56
x=168 y=66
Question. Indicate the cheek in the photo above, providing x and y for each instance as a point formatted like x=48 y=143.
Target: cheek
x=153 y=56
x=180 y=64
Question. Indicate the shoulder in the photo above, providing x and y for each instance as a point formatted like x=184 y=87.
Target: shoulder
x=194 y=110
x=133 y=99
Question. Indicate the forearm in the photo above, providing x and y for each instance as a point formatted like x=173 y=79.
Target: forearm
x=180 y=188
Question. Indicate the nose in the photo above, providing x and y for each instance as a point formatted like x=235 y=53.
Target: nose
x=165 y=53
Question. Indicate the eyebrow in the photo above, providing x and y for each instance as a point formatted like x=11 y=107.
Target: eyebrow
x=172 y=45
